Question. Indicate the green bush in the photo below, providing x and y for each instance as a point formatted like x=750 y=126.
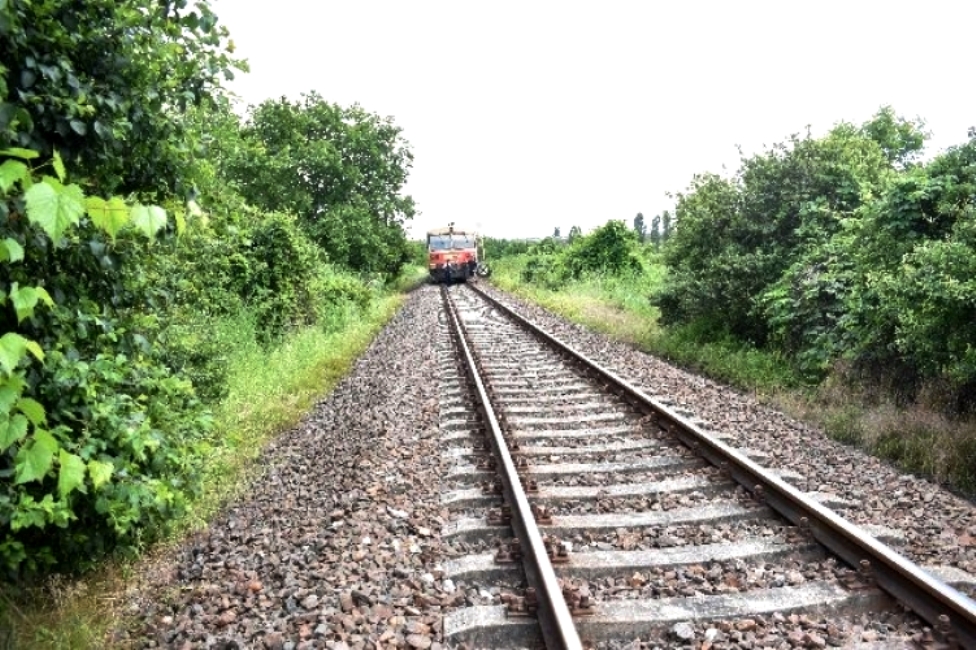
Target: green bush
x=99 y=441
x=610 y=251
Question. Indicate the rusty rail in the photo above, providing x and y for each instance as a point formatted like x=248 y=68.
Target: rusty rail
x=945 y=608
x=555 y=619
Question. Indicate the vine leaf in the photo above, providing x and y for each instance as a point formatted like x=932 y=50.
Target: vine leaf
x=11 y=251
x=17 y=152
x=148 y=219
x=13 y=346
x=12 y=349
x=25 y=299
x=32 y=463
x=32 y=409
x=11 y=171
x=111 y=216
x=8 y=395
x=12 y=430
x=71 y=474
x=54 y=206
x=100 y=472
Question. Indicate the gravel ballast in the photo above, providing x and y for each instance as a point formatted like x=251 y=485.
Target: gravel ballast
x=336 y=545
x=939 y=526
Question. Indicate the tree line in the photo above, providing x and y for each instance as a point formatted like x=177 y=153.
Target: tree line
x=842 y=252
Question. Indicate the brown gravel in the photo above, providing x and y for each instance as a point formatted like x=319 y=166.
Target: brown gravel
x=336 y=545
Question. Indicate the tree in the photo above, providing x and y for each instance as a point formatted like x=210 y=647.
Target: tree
x=738 y=236
x=340 y=170
x=656 y=231
x=555 y=233
x=900 y=139
x=639 y=227
x=574 y=234
x=665 y=226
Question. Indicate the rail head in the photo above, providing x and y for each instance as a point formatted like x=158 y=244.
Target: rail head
x=933 y=600
x=555 y=619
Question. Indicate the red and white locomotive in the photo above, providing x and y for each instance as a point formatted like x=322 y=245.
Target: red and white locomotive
x=453 y=254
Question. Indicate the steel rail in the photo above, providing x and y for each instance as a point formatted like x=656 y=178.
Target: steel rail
x=947 y=609
x=555 y=620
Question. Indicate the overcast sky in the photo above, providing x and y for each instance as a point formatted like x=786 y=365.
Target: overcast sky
x=524 y=116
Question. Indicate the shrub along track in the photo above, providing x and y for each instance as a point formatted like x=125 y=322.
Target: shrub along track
x=666 y=550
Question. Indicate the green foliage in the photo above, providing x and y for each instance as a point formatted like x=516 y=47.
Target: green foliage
x=900 y=140
x=609 y=250
x=496 y=249
x=915 y=250
x=340 y=170
x=839 y=248
x=95 y=440
x=104 y=83
x=113 y=291
x=737 y=237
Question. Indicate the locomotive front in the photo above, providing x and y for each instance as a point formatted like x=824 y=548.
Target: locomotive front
x=452 y=254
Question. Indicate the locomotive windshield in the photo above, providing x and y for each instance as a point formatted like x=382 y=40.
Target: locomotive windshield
x=448 y=242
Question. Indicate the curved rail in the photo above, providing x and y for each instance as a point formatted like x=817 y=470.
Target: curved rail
x=947 y=609
x=555 y=619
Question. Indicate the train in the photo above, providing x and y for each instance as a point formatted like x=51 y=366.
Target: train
x=455 y=255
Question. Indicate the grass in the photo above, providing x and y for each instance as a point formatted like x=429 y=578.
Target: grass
x=917 y=438
x=620 y=307
x=271 y=388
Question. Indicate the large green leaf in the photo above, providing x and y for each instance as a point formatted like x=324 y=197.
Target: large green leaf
x=12 y=348
x=25 y=299
x=54 y=207
x=32 y=463
x=148 y=219
x=8 y=395
x=11 y=171
x=71 y=474
x=32 y=409
x=17 y=152
x=11 y=250
x=100 y=472
x=111 y=216
x=12 y=430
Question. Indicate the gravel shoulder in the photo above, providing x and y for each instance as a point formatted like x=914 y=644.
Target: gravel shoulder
x=939 y=526
x=336 y=545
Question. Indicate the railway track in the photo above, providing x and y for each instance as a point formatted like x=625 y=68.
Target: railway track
x=586 y=514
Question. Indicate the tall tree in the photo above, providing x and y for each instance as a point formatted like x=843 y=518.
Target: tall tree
x=639 y=227
x=555 y=233
x=901 y=139
x=656 y=231
x=665 y=226
x=574 y=234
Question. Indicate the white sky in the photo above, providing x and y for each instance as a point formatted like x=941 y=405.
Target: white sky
x=524 y=116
